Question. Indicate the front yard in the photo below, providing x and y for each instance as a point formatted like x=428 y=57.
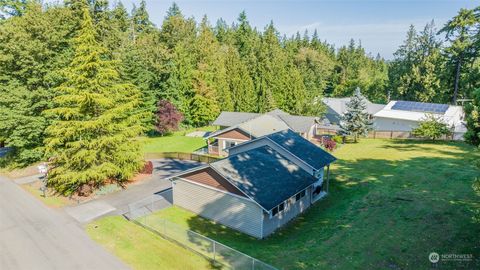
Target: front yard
x=175 y=142
x=142 y=249
x=391 y=204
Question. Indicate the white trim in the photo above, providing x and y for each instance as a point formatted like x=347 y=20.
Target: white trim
x=261 y=225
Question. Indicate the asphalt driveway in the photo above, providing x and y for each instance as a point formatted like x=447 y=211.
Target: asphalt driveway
x=33 y=236
x=151 y=192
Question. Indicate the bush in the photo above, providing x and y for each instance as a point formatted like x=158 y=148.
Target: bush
x=431 y=128
x=338 y=138
x=147 y=168
x=329 y=144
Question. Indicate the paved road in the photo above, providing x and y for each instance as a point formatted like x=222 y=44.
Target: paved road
x=35 y=237
x=142 y=193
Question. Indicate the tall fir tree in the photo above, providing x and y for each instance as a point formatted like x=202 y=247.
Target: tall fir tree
x=209 y=79
x=355 y=122
x=240 y=84
x=95 y=121
x=459 y=31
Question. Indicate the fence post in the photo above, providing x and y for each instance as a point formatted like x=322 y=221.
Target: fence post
x=214 y=252
x=253 y=264
x=391 y=134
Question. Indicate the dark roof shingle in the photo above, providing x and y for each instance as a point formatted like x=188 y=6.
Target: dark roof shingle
x=264 y=175
x=302 y=148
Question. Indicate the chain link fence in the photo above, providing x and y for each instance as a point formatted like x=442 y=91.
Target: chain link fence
x=221 y=255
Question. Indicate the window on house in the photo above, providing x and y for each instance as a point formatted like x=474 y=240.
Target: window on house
x=278 y=209
x=275 y=211
x=300 y=195
x=229 y=144
x=281 y=207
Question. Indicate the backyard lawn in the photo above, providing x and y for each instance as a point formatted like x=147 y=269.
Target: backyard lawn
x=142 y=249
x=175 y=142
x=391 y=204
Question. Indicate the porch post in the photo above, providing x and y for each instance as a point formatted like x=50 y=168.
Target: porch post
x=328 y=176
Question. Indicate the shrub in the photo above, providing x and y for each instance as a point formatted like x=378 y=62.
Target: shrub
x=431 y=128
x=338 y=138
x=167 y=117
x=147 y=168
x=329 y=144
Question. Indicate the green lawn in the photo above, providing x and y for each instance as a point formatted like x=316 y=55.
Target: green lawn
x=176 y=142
x=142 y=249
x=391 y=203
x=51 y=199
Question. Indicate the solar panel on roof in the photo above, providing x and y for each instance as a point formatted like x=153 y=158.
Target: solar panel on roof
x=420 y=107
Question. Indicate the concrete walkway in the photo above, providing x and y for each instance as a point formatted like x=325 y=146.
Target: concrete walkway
x=144 y=194
x=33 y=236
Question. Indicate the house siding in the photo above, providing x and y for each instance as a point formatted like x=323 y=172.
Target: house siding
x=390 y=124
x=235 y=134
x=211 y=178
x=229 y=210
x=270 y=225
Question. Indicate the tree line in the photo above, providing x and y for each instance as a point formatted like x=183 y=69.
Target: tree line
x=203 y=69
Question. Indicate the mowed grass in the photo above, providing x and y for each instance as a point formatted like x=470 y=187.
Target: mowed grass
x=51 y=199
x=175 y=142
x=142 y=249
x=391 y=204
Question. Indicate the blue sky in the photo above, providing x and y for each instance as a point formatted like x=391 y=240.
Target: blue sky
x=379 y=24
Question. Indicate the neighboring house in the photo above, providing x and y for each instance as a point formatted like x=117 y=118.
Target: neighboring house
x=263 y=184
x=403 y=116
x=336 y=107
x=239 y=127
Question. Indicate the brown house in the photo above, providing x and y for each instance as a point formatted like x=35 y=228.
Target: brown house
x=239 y=127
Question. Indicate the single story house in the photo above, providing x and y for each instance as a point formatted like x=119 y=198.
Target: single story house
x=239 y=127
x=404 y=116
x=336 y=107
x=260 y=186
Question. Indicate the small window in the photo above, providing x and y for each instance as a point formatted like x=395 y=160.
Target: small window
x=300 y=195
x=275 y=211
x=281 y=207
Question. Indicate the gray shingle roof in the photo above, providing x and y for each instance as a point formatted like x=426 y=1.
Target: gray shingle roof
x=296 y=122
x=302 y=148
x=338 y=106
x=299 y=123
x=264 y=175
x=228 y=119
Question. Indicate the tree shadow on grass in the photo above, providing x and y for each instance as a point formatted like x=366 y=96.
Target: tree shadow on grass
x=422 y=203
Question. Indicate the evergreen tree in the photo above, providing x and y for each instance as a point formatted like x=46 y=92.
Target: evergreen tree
x=271 y=77
x=240 y=84
x=355 y=122
x=210 y=79
x=33 y=48
x=95 y=121
x=472 y=115
x=459 y=31
x=141 y=19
